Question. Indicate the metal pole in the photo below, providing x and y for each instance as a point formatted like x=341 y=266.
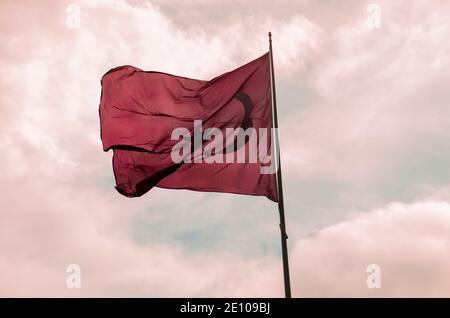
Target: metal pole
x=279 y=181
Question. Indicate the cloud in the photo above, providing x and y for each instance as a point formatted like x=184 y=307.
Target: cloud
x=365 y=122
x=48 y=232
x=408 y=242
x=376 y=92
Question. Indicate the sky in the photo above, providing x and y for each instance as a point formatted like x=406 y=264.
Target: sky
x=363 y=109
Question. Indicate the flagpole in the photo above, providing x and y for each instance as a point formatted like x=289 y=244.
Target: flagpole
x=279 y=181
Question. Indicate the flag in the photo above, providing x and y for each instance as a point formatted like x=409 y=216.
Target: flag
x=179 y=133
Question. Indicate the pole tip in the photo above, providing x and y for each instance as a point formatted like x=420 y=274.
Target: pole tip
x=270 y=34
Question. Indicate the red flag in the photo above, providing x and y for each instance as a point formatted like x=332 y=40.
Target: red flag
x=142 y=115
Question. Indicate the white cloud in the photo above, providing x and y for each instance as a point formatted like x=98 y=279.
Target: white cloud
x=408 y=241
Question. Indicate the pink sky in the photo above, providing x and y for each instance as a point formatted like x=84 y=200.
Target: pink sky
x=364 y=134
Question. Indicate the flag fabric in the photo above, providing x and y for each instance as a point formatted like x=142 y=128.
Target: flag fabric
x=140 y=110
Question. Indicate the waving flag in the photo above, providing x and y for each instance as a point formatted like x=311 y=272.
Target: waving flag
x=140 y=111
